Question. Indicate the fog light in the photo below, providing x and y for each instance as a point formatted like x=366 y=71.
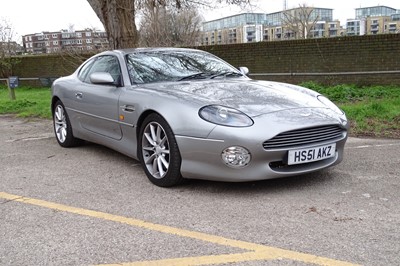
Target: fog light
x=236 y=157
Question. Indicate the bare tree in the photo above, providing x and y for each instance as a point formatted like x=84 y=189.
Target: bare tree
x=298 y=22
x=118 y=16
x=8 y=47
x=167 y=26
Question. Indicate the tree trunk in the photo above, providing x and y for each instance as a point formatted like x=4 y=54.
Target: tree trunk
x=118 y=18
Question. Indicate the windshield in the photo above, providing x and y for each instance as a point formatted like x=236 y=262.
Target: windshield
x=157 y=66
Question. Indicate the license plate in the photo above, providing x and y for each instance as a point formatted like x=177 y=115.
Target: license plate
x=311 y=154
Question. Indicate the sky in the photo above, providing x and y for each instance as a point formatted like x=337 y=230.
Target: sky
x=34 y=16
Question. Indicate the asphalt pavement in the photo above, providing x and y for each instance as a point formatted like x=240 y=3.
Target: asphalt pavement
x=90 y=205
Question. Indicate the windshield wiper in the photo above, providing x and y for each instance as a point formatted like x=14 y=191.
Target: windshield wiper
x=227 y=74
x=200 y=75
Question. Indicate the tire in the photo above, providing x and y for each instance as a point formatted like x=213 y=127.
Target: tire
x=62 y=127
x=158 y=152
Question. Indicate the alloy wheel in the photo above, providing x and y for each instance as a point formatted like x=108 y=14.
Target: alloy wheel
x=155 y=150
x=60 y=123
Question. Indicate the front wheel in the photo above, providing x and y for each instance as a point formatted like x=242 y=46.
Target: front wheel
x=62 y=127
x=159 y=153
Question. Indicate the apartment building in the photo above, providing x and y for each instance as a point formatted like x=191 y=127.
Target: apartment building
x=284 y=25
x=374 y=11
x=356 y=27
x=393 y=26
x=256 y=27
x=64 y=40
x=241 y=28
x=10 y=48
x=374 y=20
x=300 y=23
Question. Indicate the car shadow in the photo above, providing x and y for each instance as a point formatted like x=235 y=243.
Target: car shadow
x=321 y=178
x=309 y=181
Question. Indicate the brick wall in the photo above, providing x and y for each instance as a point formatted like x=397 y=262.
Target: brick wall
x=46 y=66
x=327 y=55
x=282 y=60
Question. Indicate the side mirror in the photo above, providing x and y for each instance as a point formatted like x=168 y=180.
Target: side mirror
x=244 y=70
x=102 y=78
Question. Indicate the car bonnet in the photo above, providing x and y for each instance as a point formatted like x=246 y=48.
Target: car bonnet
x=249 y=96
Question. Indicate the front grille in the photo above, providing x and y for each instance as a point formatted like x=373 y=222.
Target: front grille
x=306 y=136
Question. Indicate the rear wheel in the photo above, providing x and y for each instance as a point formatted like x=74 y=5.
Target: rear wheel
x=159 y=153
x=62 y=127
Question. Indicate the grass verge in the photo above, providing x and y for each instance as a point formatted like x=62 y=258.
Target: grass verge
x=30 y=102
x=372 y=111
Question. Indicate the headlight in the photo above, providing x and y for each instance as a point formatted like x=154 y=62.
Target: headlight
x=225 y=116
x=329 y=104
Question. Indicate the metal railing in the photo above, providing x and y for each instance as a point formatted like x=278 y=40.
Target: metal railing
x=327 y=73
x=45 y=81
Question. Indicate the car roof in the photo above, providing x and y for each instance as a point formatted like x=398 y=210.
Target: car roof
x=155 y=49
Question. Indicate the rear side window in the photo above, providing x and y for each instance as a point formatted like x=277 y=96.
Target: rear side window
x=85 y=70
x=106 y=63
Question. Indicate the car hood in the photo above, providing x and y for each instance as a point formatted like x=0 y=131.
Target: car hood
x=249 y=96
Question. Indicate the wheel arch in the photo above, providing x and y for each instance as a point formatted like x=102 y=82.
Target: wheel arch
x=139 y=123
x=53 y=102
x=167 y=174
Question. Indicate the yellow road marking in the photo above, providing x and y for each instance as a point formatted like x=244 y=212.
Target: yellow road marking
x=257 y=252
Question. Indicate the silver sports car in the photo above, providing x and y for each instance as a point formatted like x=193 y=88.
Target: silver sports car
x=184 y=113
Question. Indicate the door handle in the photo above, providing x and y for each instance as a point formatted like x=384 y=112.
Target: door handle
x=79 y=95
x=128 y=108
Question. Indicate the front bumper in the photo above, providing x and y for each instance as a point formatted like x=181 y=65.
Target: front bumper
x=201 y=157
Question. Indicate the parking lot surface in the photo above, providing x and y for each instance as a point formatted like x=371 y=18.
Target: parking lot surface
x=92 y=206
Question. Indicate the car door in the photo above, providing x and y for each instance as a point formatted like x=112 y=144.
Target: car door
x=97 y=104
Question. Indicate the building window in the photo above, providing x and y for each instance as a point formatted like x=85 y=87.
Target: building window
x=54 y=35
x=55 y=42
x=88 y=34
